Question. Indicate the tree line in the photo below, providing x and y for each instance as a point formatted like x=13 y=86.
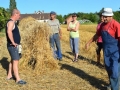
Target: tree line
x=5 y=13
x=93 y=17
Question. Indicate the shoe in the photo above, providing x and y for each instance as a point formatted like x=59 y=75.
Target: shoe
x=98 y=63
x=75 y=60
x=108 y=87
x=9 y=78
x=60 y=59
x=21 y=82
x=12 y=78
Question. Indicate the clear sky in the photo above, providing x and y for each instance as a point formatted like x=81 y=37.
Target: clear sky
x=62 y=6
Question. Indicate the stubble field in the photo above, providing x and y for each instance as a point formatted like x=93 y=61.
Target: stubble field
x=45 y=73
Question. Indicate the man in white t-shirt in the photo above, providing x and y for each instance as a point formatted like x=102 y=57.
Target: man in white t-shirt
x=55 y=35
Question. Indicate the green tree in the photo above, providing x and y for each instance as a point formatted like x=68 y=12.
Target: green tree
x=4 y=15
x=93 y=17
x=60 y=18
x=117 y=16
x=101 y=11
x=12 y=5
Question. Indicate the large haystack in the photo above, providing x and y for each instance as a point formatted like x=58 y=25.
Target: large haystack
x=35 y=46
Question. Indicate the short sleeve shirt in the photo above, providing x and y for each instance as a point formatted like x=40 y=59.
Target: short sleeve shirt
x=55 y=25
x=100 y=38
x=113 y=28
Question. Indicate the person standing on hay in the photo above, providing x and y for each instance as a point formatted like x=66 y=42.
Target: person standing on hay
x=55 y=35
x=13 y=41
x=110 y=33
x=73 y=28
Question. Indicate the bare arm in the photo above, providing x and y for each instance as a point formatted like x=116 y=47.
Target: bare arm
x=68 y=28
x=9 y=32
x=60 y=33
x=94 y=38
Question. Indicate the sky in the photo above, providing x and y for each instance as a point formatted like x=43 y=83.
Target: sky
x=63 y=7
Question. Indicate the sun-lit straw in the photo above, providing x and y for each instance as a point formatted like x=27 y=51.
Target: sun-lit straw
x=35 y=46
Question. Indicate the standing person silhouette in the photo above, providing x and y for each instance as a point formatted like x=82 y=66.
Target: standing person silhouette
x=73 y=28
x=56 y=35
x=13 y=40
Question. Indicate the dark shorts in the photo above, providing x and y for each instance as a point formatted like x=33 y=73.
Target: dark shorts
x=13 y=52
x=99 y=47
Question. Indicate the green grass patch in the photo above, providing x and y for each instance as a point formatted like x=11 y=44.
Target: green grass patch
x=2 y=31
x=2 y=34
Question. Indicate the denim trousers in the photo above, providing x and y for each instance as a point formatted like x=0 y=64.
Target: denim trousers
x=111 y=59
x=55 y=45
x=74 y=44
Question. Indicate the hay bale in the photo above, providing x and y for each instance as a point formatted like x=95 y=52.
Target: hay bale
x=35 y=45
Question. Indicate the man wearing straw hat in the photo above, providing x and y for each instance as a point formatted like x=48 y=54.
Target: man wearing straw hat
x=110 y=33
x=55 y=35
x=13 y=40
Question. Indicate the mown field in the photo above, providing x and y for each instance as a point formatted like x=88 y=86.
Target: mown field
x=65 y=75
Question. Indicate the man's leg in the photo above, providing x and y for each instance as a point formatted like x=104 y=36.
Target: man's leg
x=14 y=64
x=15 y=70
x=98 y=50
x=71 y=45
x=76 y=47
x=114 y=78
x=119 y=75
x=52 y=45
x=9 y=71
x=58 y=46
x=111 y=64
x=98 y=58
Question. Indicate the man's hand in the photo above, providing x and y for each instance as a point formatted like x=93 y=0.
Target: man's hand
x=14 y=44
x=60 y=36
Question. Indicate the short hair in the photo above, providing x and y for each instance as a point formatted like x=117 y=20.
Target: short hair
x=14 y=11
x=74 y=14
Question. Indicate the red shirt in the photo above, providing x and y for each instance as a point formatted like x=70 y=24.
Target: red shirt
x=112 y=27
x=99 y=38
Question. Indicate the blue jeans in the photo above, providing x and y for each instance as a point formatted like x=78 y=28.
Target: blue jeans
x=74 y=44
x=115 y=82
x=111 y=58
x=55 y=41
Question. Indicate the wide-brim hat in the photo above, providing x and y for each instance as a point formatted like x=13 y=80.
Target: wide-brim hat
x=107 y=12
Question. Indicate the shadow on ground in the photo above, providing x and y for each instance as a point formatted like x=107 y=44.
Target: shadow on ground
x=67 y=57
x=5 y=64
x=97 y=83
x=89 y=60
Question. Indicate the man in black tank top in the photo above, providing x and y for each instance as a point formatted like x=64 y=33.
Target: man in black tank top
x=13 y=40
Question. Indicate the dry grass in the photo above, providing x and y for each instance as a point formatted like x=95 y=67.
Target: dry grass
x=45 y=73
x=37 y=54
